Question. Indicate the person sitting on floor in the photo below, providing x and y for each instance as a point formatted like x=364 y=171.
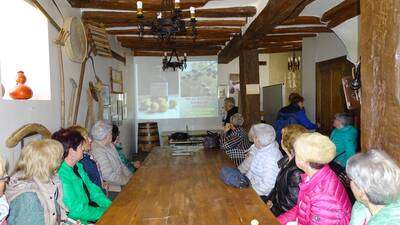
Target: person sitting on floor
x=322 y=198
x=230 y=109
x=234 y=140
x=375 y=182
x=89 y=164
x=294 y=113
x=117 y=144
x=35 y=192
x=263 y=167
x=112 y=169
x=283 y=196
x=344 y=136
x=85 y=200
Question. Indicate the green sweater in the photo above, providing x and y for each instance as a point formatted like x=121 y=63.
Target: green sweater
x=345 y=140
x=389 y=215
x=75 y=198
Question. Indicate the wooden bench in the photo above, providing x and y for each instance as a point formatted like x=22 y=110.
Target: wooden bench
x=185 y=190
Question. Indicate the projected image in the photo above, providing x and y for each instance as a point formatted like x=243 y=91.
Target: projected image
x=191 y=93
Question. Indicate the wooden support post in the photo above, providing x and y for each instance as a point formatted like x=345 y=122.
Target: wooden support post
x=249 y=74
x=380 y=75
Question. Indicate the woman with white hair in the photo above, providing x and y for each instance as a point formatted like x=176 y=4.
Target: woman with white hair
x=234 y=141
x=344 y=136
x=375 y=182
x=264 y=164
x=322 y=198
x=112 y=169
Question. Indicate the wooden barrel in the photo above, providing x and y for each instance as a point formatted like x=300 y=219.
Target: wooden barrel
x=148 y=136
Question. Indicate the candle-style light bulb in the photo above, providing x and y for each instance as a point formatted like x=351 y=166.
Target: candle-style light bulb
x=177 y=4
x=192 y=13
x=139 y=7
x=159 y=15
x=165 y=54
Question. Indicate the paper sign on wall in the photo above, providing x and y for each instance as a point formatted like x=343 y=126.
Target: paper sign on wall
x=252 y=89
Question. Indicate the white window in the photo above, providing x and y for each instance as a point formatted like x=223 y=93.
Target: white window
x=24 y=45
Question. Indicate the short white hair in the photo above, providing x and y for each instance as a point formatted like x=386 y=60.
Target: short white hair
x=100 y=130
x=236 y=119
x=377 y=175
x=265 y=133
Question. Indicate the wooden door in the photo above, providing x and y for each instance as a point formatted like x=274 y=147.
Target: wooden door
x=330 y=96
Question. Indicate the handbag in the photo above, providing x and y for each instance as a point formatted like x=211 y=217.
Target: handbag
x=340 y=171
x=211 y=141
x=234 y=178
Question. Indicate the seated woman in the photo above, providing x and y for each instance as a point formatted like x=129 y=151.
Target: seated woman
x=375 y=182
x=322 y=198
x=88 y=163
x=344 y=136
x=35 y=191
x=283 y=196
x=104 y=152
x=294 y=113
x=234 y=140
x=85 y=200
x=263 y=167
x=117 y=144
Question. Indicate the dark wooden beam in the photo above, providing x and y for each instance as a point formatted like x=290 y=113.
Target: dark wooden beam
x=285 y=37
x=249 y=74
x=279 y=49
x=148 y=5
x=118 y=57
x=200 y=32
x=275 y=44
x=177 y=41
x=189 y=53
x=335 y=11
x=289 y=30
x=275 y=13
x=113 y=16
x=169 y=47
x=200 y=23
x=302 y=20
x=341 y=13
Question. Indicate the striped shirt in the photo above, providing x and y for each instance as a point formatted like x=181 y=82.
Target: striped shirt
x=235 y=143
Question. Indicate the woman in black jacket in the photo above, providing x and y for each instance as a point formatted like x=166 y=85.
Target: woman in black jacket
x=284 y=195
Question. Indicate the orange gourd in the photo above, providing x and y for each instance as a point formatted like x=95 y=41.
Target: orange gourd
x=21 y=91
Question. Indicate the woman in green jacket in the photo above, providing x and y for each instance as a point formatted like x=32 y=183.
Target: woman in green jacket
x=344 y=136
x=375 y=182
x=85 y=201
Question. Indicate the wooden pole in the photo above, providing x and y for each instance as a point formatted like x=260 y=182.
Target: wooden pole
x=80 y=85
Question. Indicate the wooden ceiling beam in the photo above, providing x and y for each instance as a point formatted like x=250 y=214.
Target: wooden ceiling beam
x=274 y=44
x=300 y=20
x=199 y=23
x=335 y=11
x=289 y=30
x=342 y=12
x=148 y=5
x=201 y=32
x=113 y=16
x=274 y=13
x=279 y=49
x=285 y=37
x=169 y=48
x=181 y=41
x=189 y=53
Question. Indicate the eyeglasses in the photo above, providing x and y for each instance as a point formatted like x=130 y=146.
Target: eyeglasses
x=5 y=178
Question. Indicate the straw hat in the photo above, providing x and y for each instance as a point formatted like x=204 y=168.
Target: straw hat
x=315 y=148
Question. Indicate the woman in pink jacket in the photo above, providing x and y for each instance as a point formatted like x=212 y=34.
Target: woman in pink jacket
x=322 y=198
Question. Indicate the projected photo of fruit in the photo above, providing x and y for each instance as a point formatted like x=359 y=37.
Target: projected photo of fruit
x=191 y=93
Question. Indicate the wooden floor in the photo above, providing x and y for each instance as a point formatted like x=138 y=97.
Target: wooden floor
x=185 y=190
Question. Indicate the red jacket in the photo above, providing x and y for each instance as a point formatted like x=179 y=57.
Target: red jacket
x=322 y=200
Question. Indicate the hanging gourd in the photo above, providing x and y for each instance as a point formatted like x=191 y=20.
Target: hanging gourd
x=21 y=91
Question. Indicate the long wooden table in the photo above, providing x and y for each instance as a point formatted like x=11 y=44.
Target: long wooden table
x=185 y=190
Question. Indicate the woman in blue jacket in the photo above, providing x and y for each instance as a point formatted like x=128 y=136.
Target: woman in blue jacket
x=344 y=136
x=293 y=114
